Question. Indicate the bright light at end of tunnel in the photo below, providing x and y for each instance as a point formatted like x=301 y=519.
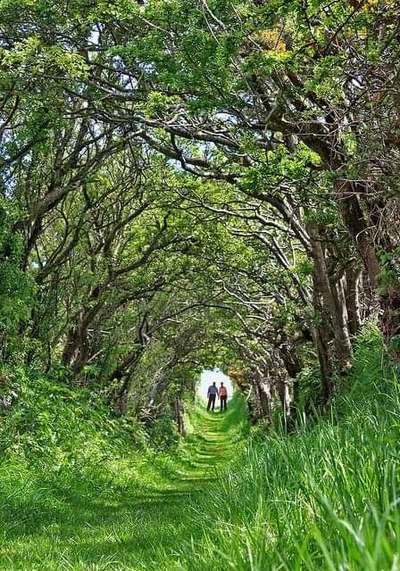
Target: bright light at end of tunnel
x=208 y=376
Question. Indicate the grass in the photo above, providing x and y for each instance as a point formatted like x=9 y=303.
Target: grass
x=323 y=498
x=131 y=513
x=327 y=498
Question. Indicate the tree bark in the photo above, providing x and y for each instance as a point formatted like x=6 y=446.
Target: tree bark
x=264 y=394
x=358 y=226
x=330 y=301
x=390 y=321
x=283 y=386
x=323 y=340
x=352 y=287
x=179 y=415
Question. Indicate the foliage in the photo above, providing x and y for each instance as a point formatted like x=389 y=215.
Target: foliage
x=16 y=287
x=168 y=164
x=162 y=433
x=183 y=185
x=50 y=424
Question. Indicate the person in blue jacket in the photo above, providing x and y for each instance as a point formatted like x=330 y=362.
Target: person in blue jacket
x=212 y=394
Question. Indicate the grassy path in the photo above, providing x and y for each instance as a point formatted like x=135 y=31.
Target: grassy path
x=138 y=520
x=211 y=445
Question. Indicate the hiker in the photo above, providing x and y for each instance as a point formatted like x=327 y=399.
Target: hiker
x=212 y=394
x=223 y=396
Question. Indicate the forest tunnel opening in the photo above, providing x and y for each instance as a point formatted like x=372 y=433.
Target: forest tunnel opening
x=208 y=376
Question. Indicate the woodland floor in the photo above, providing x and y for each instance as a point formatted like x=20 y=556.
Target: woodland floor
x=139 y=521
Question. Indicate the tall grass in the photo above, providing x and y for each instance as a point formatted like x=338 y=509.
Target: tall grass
x=326 y=497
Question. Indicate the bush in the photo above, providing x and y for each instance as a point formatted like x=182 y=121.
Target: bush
x=162 y=433
x=50 y=424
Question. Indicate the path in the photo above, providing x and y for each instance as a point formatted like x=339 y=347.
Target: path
x=167 y=513
x=212 y=444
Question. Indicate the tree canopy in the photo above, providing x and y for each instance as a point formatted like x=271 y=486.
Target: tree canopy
x=193 y=183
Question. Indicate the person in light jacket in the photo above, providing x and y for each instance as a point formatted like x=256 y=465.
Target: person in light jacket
x=223 y=396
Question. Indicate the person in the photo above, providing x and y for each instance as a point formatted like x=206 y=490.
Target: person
x=212 y=394
x=223 y=396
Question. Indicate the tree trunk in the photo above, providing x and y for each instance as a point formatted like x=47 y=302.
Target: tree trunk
x=361 y=227
x=76 y=351
x=333 y=302
x=352 y=286
x=323 y=340
x=283 y=386
x=290 y=358
x=390 y=322
x=264 y=394
x=179 y=415
x=322 y=344
x=341 y=320
x=358 y=226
